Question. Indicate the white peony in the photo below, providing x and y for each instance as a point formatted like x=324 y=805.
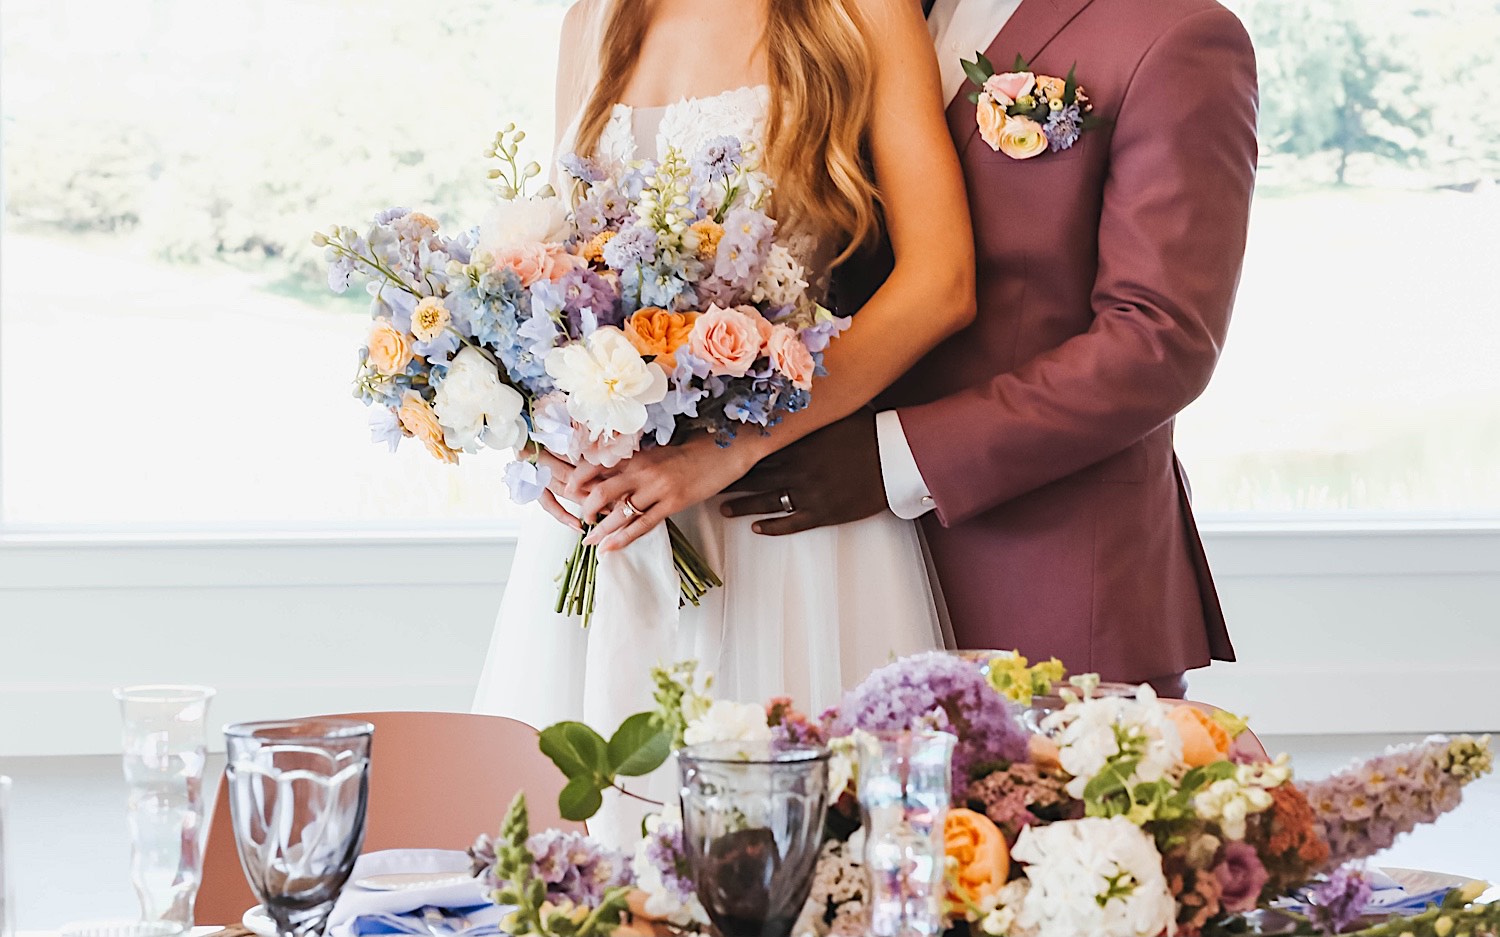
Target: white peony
x=1095 y=876
x=607 y=382
x=728 y=721
x=521 y=222
x=1091 y=733
x=473 y=403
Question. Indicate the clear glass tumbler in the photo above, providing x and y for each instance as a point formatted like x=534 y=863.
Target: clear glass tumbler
x=7 y=887
x=752 y=819
x=298 y=792
x=166 y=748
x=905 y=781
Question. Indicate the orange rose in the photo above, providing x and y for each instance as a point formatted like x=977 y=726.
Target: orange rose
x=390 y=348
x=418 y=419
x=1203 y=740
x=978 y=851
x=658 y=332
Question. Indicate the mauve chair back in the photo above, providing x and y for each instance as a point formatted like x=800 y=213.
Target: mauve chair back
x=437 y=780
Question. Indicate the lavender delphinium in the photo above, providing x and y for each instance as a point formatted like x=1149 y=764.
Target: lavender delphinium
x=944 y=692
x=576 y=868
x=1363 y=809
x=1340 y=901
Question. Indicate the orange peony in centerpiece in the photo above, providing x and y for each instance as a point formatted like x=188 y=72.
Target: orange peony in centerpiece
x=1204 y=741
x=977 y=854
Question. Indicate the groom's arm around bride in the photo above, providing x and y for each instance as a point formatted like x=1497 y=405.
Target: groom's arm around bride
x=1037 y=444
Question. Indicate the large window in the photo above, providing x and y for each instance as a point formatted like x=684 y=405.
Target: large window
x=169 y=356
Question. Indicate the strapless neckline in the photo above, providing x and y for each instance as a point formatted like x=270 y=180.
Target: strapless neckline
x=742 y=90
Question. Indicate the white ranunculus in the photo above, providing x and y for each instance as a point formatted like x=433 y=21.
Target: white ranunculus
x=1101 y=877
x=728 y=721
x=1093 y=732
x=607 y=382
x=540 y=220
x=473 y=403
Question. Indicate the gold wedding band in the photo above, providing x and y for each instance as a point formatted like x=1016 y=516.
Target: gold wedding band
x=786 y=503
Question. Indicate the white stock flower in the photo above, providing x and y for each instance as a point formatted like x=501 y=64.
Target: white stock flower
x=1095 y=732
x=1002 y=911
x=473 y=403
x=1230 y=802
x=728 y=721
x=1101 y=877
x=782 y=280
x=540 y=220
x=607 y=382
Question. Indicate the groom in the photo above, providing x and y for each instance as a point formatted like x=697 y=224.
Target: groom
x=1036 y=445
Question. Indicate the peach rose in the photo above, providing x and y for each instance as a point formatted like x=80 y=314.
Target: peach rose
x=534 y=262
x=762 y=325
x=1022 y=138
x=1203 y=740
x=790 y=356
x=429 y=319
x=418 y=419
x=660 y=333
x=390 y=348
x=1010 y=87
x=991 y=120
x=728 y=339
x=979 y=853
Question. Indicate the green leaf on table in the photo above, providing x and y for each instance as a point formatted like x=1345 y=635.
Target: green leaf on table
x=581 y=799
x=639 y=746
x=576 y=749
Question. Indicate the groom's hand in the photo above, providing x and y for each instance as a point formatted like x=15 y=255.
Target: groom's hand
x=831 y=477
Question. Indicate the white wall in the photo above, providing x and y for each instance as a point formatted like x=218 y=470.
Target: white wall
x=1373 y=630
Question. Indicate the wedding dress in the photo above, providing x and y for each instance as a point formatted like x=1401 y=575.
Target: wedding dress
x=805 y=616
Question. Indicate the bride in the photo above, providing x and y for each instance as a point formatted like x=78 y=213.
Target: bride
x=842 y=99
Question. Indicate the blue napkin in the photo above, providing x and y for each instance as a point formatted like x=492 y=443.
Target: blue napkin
x=481 y=920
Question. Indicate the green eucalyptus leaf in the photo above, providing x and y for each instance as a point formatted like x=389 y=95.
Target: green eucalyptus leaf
x=975 y=71
x=576 y=749
x=984 y=63
x=639 y=746
x=580 y=799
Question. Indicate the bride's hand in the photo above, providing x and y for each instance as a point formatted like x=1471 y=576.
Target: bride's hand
x=569 y=482
x=657 y=483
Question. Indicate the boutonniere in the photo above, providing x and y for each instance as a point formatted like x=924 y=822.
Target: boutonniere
x=1023 y=114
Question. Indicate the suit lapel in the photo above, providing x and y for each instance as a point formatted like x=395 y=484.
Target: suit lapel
x=1034 y=24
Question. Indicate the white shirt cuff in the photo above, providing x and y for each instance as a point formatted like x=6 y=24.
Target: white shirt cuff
x=905 y=491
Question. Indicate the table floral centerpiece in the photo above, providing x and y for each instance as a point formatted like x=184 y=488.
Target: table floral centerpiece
x=1126 y=818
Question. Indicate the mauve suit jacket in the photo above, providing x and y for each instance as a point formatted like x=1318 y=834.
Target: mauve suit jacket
x=1106 y=275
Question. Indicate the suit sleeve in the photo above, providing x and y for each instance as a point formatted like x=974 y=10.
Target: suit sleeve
x=1172 y=235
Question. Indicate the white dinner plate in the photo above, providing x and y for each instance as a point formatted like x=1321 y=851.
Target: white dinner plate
x=410 y=881
x=259 y=923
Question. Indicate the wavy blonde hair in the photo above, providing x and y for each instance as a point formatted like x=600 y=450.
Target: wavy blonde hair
x=820 y=111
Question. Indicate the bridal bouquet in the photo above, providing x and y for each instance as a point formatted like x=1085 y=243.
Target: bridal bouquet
x=1124 y=817
x=661 y=304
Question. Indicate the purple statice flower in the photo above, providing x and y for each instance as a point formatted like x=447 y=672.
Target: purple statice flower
x=717 y=159
x=1362 y=810
x=589 y=218
x=1340 y=901
x=1064 y=128
x=1241 y=877
x=582 y=168
x=526 y=481
x=940 y=690
x=665 y=852
x=385 y=427
x=630 y=248
x=576 y=868
x=742 y=251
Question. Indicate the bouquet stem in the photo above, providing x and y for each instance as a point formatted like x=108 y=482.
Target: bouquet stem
x=575 y=594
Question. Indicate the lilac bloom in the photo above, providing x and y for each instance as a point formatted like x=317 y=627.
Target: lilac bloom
x=576 y=868
x=526 y=481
